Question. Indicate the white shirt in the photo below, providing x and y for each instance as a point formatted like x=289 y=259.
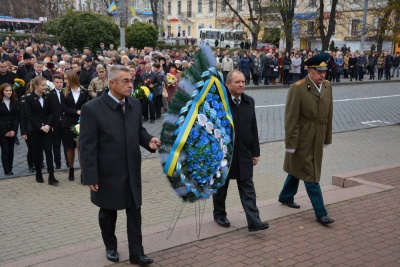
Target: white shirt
x=318 y=86
x=7 y=102
x=76 y=94
x=41 y=100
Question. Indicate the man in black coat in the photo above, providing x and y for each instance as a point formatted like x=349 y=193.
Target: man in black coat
x=246 y=153
x=38 y=71
x=150 y=79
x=6 y=76
x=55 y=99
x=84 y=77
x=110 y=135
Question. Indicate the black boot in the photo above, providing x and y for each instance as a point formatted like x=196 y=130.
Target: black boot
x=39 y=178
x=71 y=176
x=52 y=179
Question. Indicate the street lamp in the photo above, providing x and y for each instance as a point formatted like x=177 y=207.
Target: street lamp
x=122 y=23
x=364 y=25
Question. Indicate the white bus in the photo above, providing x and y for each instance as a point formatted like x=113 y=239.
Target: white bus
x=226 y=38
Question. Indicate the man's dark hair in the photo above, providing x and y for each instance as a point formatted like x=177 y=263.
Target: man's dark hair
x=58 y=76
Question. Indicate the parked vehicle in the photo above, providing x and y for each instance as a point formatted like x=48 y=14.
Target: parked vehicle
x=266 y=47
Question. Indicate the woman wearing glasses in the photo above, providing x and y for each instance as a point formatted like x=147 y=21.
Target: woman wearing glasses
x=72 y=99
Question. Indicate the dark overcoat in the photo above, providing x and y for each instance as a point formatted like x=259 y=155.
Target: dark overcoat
x=308 y=126
x=110 y=155
x=9 y=118
x=246 y=144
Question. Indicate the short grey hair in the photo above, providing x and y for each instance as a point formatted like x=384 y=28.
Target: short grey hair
x=115 y=70
x=229 y=75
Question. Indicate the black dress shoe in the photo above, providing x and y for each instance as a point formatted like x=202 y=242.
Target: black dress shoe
x=39 y=178
x=53 y=181
x=140 y=259
x=112 y=255
x=262 y=226
x=223 y=222
x=325 y=220
x=291 y=205
x=58 y=167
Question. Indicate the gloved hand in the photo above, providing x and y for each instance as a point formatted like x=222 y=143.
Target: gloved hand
x=291 y=151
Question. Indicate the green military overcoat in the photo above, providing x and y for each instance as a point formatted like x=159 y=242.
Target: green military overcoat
x=308 y=126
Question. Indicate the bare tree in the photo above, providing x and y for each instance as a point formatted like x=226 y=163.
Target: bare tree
x=326 y=34
x=286 y=9
x=155 y=6
x=250 y=18
x=389 y=24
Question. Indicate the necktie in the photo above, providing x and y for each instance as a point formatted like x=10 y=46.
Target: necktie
x=122 y=104
x=237 y=101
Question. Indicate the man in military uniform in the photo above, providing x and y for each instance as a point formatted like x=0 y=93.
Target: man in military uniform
x=98 y=83
x=308 y=129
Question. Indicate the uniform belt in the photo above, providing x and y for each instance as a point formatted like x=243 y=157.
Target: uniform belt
x=321 y=121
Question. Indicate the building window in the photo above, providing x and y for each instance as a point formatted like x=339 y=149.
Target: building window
x=240 y=5
x=210 y=5
x=189 y=9
x=169 y=8
x=310 y=27
x=223 y=5
x=189 y=30
x=199 y=6
x=179 y=8
x=355 y=27
x=312 y=2
x=94 y=7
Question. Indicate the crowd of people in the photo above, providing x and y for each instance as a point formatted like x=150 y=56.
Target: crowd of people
x=76 y=77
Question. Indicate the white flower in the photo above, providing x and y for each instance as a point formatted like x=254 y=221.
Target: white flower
x=217 y=133
x=224 y=162
x=201 y=119
x=209 y=127
x=224 y=149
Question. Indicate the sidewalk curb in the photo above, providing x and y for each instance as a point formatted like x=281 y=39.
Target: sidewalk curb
x=154 y=237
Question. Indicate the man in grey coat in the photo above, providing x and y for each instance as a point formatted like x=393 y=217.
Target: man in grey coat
x=110 y=135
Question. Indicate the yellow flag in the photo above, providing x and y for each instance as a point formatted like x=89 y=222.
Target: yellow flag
x=133 y=10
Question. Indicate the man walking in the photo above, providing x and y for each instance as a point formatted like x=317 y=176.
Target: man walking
x=308 y=129
x=246 y=153
x=110 y=135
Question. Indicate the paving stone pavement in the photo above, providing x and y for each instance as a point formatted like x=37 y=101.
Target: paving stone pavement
x=366 y=233
x=38 y=218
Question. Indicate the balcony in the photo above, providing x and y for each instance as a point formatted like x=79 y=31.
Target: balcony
x=267 y=10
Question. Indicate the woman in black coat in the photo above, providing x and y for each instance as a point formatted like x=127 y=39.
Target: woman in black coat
x=353 y=66
x=8 y=126
x=25 y=126
x=287 y=62
x=40 y=113
x=72 y=99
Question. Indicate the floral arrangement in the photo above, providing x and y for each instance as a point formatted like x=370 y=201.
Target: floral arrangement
x=49 y=86
x=18 y=83
x=76 y=129
x=197 y=134
x=170 y=80
x=142 y=92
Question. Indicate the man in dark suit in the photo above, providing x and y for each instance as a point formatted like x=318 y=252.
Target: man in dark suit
x=110 y=135
x=38 y=71
x=246 y=153
x=308 y=129
x=6 y=76
x=84 y=77
x=150 y=79
x=55 y=98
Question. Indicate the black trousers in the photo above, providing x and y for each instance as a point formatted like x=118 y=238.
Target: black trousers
x=57 y=140
x=29 y=154
x=146 y=106
x=107 y=221
x=42 y=141
x=158 y=104
x=247 y=195
x=7 y=152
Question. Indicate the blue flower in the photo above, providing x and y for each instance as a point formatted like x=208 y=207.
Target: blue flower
x=213 y=114
x=221 y=113
x=209 y=97
x=215 y=104
x=216 y=97
x=225 y=123
x=204 y=141
x=206 y=106
x=213 y=89
x=227 y=139
x=214 y=148
x=194 y=134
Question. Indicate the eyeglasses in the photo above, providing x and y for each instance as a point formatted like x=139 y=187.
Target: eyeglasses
x=125 y=81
